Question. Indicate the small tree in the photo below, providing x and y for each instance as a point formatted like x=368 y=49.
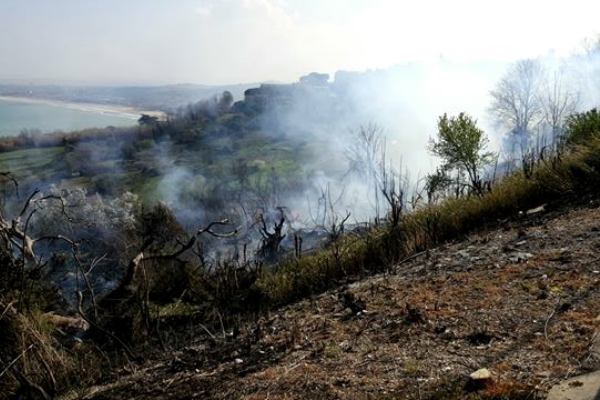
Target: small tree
x=364 y=158
x=461 y=145
x=437 y=185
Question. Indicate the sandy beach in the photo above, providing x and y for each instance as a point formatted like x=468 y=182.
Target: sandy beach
x=108 y=109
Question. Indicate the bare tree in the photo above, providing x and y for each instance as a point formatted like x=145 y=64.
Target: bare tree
x=18 y=246
x=558 y=102
x=271 y=240
x=330 y=221
x=516 y=101
x=364 y=158
x=393 y=190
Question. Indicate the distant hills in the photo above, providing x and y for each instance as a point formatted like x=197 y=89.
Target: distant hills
x=417 y=84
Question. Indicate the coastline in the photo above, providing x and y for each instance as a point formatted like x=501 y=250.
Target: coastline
x=109 y=109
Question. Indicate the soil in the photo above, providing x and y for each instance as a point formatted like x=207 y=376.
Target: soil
x=521 y=300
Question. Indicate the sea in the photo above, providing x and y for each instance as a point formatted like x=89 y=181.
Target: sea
x=47 y=116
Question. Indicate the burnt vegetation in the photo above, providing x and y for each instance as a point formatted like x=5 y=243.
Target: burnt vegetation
x=97 y=273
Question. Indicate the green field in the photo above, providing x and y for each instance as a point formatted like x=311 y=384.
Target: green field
x=97 y=167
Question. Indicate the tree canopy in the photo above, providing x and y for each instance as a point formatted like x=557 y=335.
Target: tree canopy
x=462 y=147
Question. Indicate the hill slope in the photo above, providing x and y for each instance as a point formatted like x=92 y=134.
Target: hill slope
x=521 y=300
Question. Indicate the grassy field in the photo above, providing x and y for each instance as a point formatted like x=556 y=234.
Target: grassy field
x=103 y=167
x=37 y=161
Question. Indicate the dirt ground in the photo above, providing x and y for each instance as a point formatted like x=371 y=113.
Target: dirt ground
x=522 y=301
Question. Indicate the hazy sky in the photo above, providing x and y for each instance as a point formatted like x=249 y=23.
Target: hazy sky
x=232 y=41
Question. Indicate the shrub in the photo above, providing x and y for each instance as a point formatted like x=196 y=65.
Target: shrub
x=582 y=127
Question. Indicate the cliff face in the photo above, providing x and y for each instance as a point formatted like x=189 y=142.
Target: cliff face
x=520 y=301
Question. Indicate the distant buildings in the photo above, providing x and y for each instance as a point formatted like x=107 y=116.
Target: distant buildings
x=268 y=96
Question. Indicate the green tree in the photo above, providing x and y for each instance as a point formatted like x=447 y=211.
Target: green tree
x=582 y=127
x=462 y=147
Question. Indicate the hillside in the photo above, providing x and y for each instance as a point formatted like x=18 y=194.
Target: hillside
x=521 y=300
x=384 y=206
x=210 y=255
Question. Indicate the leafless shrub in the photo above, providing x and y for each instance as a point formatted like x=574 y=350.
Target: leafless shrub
x=393 y=191
x=271 y=240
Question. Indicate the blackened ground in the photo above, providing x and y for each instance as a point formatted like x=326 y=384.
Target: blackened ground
x=521 y=300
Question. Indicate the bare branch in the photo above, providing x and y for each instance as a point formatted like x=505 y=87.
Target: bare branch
x=11 y=178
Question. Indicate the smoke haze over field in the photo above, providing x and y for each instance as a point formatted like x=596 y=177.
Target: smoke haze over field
x=406 y=100
x=413 y=61
x=448 y=55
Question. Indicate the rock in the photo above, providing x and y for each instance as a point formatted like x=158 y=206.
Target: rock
x=345 y=346
x=595 y=345
x=463 y=254
x=520 y=256
x=481 y=374
x=536 y=210
x=479 y=380
x=239 y=361
x=584 y=387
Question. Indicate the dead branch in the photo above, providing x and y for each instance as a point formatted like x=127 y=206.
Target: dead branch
x=190 y=243
x=86 y=280
x=550 y=317
x=11 y=178
x=15 y=360
x=212 y=336
x=6 y=309
x=28 y=202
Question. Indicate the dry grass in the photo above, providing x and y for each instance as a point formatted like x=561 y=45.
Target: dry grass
x=479 y=309
x=570 y=176
x=38 y=359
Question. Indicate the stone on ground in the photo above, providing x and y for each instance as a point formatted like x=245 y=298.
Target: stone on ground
x=583 y=387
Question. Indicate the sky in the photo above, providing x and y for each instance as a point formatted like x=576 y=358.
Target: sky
x=243 y=41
